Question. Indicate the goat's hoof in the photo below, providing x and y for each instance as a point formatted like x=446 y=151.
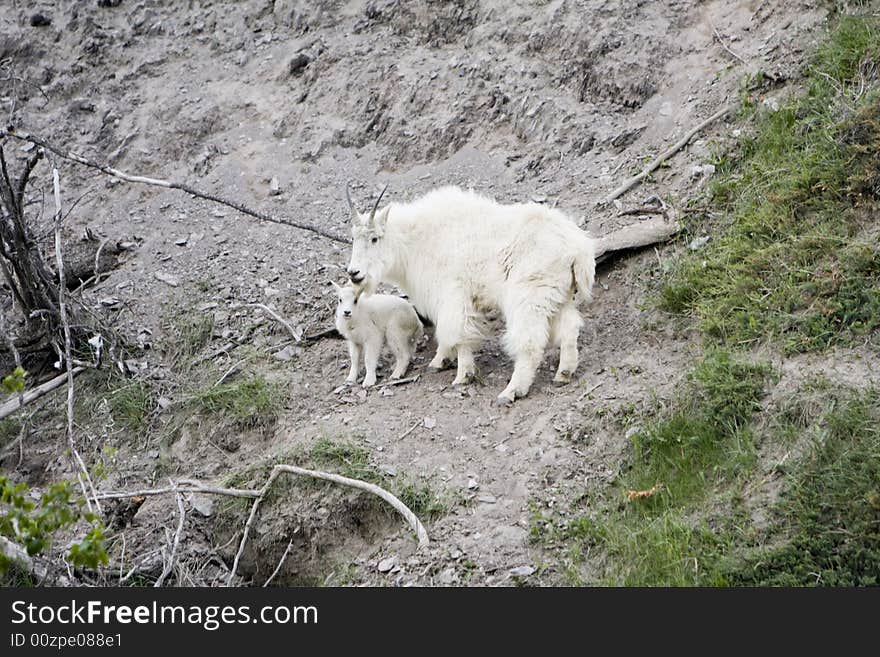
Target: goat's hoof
x=504 y=400
x=467 y=379
x=368 y=384
x=439 y=368
x=562 y=377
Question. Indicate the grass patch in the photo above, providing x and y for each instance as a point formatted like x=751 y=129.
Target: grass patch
x=250 y=403
x=702 y=445
x=9 y=429
x=705 y=436
x=131 y=404
x=190 y=333
x=799 y=262
x=827 y=524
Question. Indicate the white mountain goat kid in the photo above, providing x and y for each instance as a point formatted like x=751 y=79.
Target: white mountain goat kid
x=367 y=321
x=459 y=255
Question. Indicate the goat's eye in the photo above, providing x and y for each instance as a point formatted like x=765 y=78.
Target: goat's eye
x=374 y=240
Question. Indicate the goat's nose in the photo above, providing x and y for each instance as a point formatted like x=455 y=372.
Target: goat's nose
x=347 y=313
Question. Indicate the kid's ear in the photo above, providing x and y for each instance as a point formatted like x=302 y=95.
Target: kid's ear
x=358 y=291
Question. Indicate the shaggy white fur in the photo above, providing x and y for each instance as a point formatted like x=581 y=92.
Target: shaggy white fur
x=459 y=255
x=367 y=321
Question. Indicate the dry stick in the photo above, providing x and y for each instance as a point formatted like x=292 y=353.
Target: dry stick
x=718 y=38
x=410 y=430
x=280 y=563
x=182 y=486
x=399 y=382
x=168 y=184
x=398 y=506
x=677 y=146
x=278 y=318
x=35 y=393
x=62 y=313
x=169 y=565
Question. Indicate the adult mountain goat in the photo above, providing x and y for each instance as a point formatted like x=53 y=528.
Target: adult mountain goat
x=459 y=255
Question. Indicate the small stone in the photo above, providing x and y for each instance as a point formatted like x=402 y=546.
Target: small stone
x=487 y=499
x=285 y=354
x=447 y=577
x=203 y=504
x=181 y=242
x=164 y=403
x=208 y=306
x=539 y=198
x=40 y=20
x=168 y=279
x=387 y=564
x=298 y=63
x=430 y=423
x=698 y=243
x=632 y=431
x=153 y=453
x=472 y=484
x=389 y=470
x=522 y=571
x=274 y=187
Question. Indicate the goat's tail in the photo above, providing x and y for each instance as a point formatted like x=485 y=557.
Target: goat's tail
x=583 y=271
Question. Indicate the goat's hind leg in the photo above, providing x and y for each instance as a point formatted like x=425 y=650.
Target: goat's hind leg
x=399 y=343
x=564 y=329
x=525 y=340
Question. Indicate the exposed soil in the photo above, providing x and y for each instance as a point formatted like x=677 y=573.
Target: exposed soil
x=557 y=100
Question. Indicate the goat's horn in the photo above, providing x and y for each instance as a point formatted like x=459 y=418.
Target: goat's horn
x=376 y=206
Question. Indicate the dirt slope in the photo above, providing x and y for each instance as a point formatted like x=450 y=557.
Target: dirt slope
x=556 y=100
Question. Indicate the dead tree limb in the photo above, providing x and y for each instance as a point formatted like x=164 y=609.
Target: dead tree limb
x=83 y=476
x=297 y=336
x=169 y=184
x=635 y=236
x=13 y=405
x=169 y=564
x=672 y=150
x=280 y=563
x=398 y=506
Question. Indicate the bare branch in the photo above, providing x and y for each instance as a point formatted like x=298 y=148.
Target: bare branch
x=62 y=312
x=280 y=563
x=398 y=506
x=297 y=336
x=672 y=150
x=169 y=184
x=169 y=564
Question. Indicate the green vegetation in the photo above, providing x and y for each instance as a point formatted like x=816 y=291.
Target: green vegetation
x=827 y=529
x=33 y=526
x=191 y=333
x=707 y=436
x=250 y=403
x=798 y=262
x=131 y=403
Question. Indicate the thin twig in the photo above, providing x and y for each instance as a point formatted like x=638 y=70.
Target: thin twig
x=410 y=430
x=62 y=313
x=398 y=506
x=168 y=184
x=278 y=318
x=400 y=382
x=672 y=150
x=587 y=392
x=169 y=565
x=718 y=38
x=280 y=563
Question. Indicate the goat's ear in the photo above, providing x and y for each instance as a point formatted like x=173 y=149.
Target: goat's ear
x=358 y=291
x=381 y=219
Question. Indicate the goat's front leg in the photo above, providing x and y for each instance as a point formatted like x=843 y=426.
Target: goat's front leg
x=371 y=360
x=354 y=354
x=443 y=358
